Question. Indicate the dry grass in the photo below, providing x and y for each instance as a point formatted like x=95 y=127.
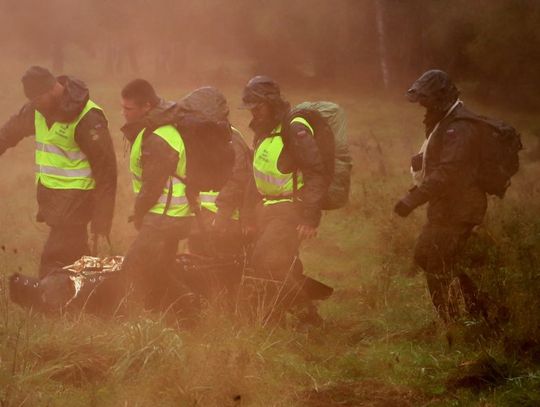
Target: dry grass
x=380 y=345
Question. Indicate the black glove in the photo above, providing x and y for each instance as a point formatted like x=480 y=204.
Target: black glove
x=402 y=209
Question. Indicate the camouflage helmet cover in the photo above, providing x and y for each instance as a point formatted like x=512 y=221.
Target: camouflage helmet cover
x=260 y=89
x=434 y=90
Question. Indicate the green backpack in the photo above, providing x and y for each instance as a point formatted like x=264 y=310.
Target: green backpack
x=329 y=124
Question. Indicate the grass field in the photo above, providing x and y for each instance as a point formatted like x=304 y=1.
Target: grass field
x=381 y=344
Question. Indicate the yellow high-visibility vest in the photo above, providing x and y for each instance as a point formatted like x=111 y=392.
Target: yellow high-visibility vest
x=179 y=205
x=60 y=163
x=272 y=184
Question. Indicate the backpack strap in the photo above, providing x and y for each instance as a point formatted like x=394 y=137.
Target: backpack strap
x=169 y=198
x=196 y=208
x=464 y=114
x=295 y=186
x=295 y=116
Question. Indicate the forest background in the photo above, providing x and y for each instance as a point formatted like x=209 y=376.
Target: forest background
x=490 y=46
x=381 y=343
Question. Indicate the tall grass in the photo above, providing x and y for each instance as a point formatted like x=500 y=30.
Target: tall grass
x=380 y=345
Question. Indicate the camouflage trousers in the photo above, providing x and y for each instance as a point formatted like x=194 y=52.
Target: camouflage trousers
x=151 y=256
x=278 y=281
x=439 y=251
x=65 y=244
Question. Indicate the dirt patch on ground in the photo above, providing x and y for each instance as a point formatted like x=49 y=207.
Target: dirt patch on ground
x=364 y=393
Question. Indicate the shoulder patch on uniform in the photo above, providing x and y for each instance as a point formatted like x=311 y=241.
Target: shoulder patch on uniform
x=94 y=133
x=451 y=133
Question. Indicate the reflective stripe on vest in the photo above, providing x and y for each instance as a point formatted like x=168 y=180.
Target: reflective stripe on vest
x=60 y=163
x=270 y=179
x=208 y=201
x=71 y=155
x=208 y=198
x=175 y=200
x=272 y=184
x=179 y=205
x=82 y=173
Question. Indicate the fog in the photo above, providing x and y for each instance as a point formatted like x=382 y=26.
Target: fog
x=367 y=43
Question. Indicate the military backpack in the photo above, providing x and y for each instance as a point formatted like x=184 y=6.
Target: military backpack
x=329 y=127
x=499 y=146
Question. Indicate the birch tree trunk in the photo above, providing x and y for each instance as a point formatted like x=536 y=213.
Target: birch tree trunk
x=381 y=36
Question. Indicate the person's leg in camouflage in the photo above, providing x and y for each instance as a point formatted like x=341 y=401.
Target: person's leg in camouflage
x=65 y=245
x=437 y=252
x=149 y=259
x=274 y=257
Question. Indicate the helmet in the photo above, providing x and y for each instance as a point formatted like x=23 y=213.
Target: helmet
x=208 y=102
x=433 y=90
x=260 y=89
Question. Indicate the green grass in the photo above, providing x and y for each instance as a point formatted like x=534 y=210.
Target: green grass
x=381 y=344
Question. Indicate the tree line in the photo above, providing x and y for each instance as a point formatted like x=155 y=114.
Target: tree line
x=490 y=46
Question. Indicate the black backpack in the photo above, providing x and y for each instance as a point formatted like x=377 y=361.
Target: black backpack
x=329 y=126
x=499 y=146
x=201 y=119
x=209 y=152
